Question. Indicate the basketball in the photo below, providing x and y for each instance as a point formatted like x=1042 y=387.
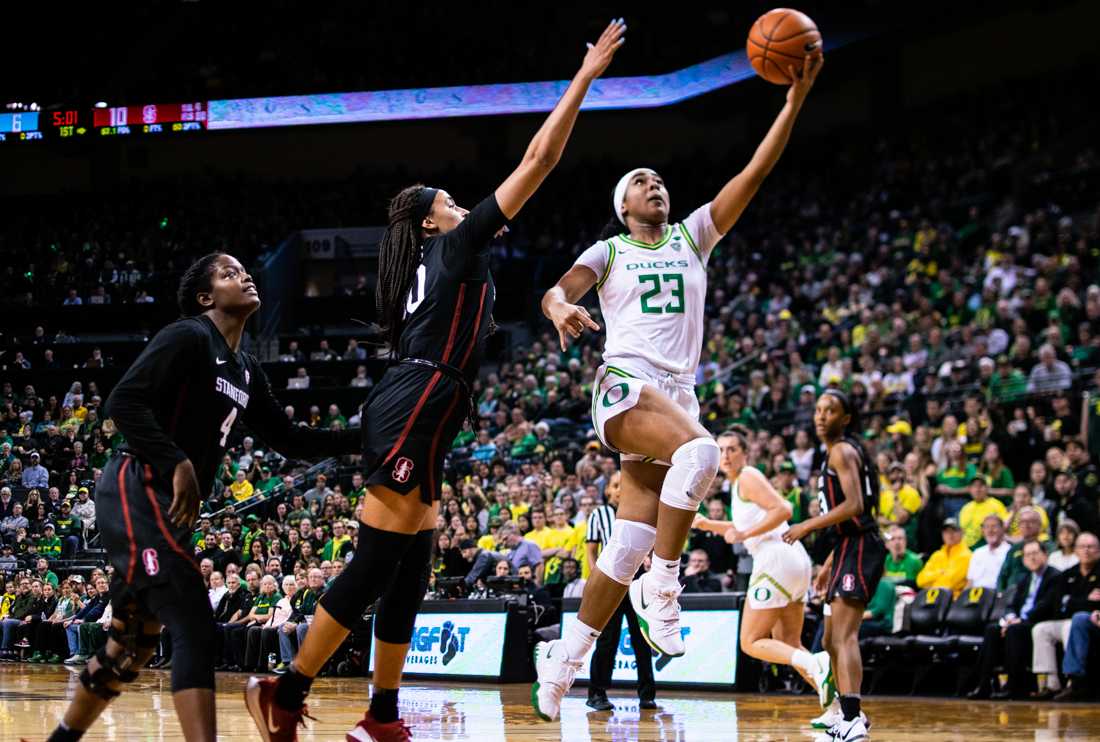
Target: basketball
x=779 y=39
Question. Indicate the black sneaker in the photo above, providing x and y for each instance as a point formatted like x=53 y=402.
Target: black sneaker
x=600 y=703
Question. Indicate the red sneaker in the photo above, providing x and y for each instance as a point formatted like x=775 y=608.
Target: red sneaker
x=369 y=730
x=275 y=723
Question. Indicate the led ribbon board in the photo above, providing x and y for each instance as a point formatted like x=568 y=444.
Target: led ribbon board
x=481 y=100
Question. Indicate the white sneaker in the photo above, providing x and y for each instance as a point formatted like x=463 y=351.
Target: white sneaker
x=849 y=731
x=832 y=715
x=556 y=673
x=658 y=612
x=822 y=674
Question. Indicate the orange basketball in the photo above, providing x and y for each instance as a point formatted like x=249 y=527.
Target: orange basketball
x=779 y=39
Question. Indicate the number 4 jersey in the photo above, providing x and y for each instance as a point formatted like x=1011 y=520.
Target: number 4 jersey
x=183 y=394
x=652 y=296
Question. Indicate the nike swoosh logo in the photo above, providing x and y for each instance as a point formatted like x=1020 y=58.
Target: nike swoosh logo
x=271 y=725
x=219 y=361
x=641 y=597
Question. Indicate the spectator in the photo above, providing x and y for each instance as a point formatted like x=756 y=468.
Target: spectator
x=1064 y=555
x=241 y=489
x=1022 y=498
x=1050 y=374
x=69 y=530
x=263 y=636
x=319 y=491
x=93 y=610
x=43 y=573
x=49 y=545
x=1009 y=641
x=12 y=523
x=947 y=567
x=571 y=584
x=361 y=379
x=217 y=588
x=973 y=514
x=36 y=476
x=697 y=577
x=303 y=606
x=902 y=565
x=899 y=501
x=1014 y=567
x=1084 y=633
x=1076 y=590
x=986 y=561
x=84 y=509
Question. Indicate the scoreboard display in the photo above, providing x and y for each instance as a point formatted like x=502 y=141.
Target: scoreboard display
x=79 y=123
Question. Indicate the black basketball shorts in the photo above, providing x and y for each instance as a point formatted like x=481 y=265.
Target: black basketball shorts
x=145 y=548
x=858 y=563
x=410 y=420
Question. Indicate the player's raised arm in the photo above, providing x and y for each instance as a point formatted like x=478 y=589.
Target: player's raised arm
x=546 y=147
x=560 y=307
x=727 y=206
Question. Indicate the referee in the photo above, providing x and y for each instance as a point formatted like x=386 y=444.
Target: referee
x=607 y=645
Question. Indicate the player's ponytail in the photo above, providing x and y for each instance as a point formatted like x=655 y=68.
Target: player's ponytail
x=612 y=229
x=398 y=258
x=195 y=281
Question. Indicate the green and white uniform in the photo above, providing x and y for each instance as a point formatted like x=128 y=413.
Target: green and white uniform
x=780 y=571
x=652 y=299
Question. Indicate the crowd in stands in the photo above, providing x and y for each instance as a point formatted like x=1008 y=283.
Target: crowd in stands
x=960 y=316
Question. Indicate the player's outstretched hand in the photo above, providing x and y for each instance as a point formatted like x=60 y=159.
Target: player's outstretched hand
x=571 y=319
x=804 y=78
x=185 y=495
x=599 y=54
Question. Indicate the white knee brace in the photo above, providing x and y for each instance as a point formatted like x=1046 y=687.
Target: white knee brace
x=627 y=548
x=693 y=468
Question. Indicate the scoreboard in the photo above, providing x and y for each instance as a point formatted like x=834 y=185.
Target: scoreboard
x=77 y=123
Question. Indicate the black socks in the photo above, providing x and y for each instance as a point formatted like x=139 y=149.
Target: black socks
x=849 y=705
x=383 y=705
x=292 y=689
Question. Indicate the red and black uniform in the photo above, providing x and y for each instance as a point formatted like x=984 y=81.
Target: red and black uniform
x=859 y=555
x=180 y=400
x=417 y=409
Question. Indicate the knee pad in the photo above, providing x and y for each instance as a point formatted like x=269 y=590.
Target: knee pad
x=367 y=576
x=687 y=482
x=396 y=614
x=117 y=668
x=625 y=551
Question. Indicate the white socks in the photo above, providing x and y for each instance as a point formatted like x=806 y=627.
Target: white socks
x=666 y=572
x=578 y=639
x=803 y=660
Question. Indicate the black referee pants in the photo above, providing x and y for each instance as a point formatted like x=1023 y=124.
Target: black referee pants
x=607 y=646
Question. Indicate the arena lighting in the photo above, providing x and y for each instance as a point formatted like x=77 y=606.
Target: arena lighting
x=101 y=104
x=485 y=100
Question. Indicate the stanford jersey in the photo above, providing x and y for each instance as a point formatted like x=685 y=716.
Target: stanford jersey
x=415 y=411
x=830 y=494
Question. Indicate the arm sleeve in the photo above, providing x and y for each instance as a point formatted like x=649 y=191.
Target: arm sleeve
x=472 y=236
x=596 y=258
x=266 y=417
x=701 y=232
x=168 y=357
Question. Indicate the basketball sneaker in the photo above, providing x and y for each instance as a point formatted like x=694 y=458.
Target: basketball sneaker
x=832 y=715
x=275 y=723
x=556 y=673
x=823 y=678
x=846 y=731
x=371 y=730
x=658 y=615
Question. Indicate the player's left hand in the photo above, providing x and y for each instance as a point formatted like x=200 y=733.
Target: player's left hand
x=803 y=79
x=795 y=533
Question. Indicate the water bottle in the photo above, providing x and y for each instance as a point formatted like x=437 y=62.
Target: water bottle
x=271 y=660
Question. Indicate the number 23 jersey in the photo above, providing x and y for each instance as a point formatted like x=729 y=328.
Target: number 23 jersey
x=652 y=296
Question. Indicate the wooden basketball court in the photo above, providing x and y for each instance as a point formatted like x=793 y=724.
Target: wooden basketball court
x=33 y=698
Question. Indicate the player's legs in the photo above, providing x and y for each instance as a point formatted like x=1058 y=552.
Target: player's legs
x=105 y=674
x=774 y=635
x=641 y=486
x=841 y=640
x=659 y=428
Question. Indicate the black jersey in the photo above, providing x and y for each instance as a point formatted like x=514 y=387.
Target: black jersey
x=830 y=494
x=183 y=394
x=451 y=299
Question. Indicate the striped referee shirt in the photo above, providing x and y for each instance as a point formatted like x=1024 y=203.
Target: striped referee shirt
x=599 y=525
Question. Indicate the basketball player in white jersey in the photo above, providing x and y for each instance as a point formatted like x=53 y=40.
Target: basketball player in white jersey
x=771 y=624
x=651 y=277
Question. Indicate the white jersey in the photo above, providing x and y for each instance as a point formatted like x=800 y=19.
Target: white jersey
x=746 y=515
x=652 y=296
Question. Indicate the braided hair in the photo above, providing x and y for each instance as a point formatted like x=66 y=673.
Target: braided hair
x=195 y=281
x=851 y=435
x=398 y=258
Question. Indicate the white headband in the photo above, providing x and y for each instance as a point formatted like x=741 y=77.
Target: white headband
x=620 y=191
